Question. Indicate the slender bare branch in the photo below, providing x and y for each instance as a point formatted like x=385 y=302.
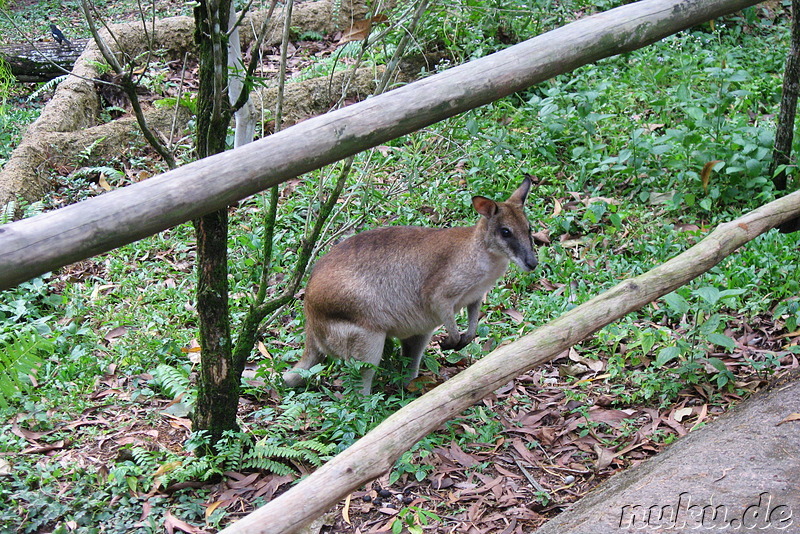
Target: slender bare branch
x=391 y=67
x=128 y=86
x=287 y=26
x=242 y=13
x=108 y=55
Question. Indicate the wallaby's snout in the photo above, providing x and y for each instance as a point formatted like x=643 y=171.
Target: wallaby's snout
x=406 y=281
x=529 y=261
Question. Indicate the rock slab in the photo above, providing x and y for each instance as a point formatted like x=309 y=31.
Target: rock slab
x=740 y=473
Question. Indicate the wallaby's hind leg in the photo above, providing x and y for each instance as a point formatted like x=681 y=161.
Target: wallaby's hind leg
x=347 y=341
x=413 y=348
x=366 y=346
x=311 y=357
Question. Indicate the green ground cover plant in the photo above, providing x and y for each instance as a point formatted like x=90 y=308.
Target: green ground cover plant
x=616 y=150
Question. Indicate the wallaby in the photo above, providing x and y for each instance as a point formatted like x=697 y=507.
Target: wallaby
x=405 y=281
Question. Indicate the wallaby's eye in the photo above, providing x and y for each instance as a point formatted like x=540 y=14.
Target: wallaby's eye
x=505 y=232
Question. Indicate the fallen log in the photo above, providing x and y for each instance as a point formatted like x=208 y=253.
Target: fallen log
x=375 y=453
x=75 y=105
x=42 y=61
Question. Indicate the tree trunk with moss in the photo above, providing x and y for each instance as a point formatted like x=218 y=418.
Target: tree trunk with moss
x=784 y=132
x=218 y=395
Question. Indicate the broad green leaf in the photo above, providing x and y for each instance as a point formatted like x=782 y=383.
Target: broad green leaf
x=648 y=340
x=666 y=355
x=711 y=325
x=677 y=303
x=717 y=364
x=731 y=292
x=709 y=294
x=722 y=340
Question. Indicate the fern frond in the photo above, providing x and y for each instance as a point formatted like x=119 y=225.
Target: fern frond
x=20 y=356
x=265 y=456
x=97 y=169
x=200 y=469
x=267 y=464
x=174 y=382
x=32 y=209
x=315 y=445
x=47 y=86
x=86 y=154
x=8 y=211
x=315 y=452
x=145 y=459
x=269 y=450
x=289 y=417
x=230 y=450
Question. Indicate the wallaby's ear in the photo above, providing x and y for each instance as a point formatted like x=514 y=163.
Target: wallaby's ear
x=519 y=196
x=484 y=206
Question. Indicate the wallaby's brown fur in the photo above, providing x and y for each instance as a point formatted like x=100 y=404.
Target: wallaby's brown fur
x=405 y=281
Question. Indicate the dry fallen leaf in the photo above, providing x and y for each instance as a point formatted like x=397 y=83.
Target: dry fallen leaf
x=542 y=236
x=556 y=208
x=346 y=509
x=681 y=413
x=604 y=200
x=143 y=175
x=115 y=333
x=360 y=29
x=211 y=507
x=687 y=227
x=171 y=523
x=790 y=417
x=102 y=182
x=194 y=346
x=193 y=351
x=166 y=468
x=594 y=365
x=5 y=467
x=604 y=457
x=652 y=127
x=516 y=316
x=100 y=288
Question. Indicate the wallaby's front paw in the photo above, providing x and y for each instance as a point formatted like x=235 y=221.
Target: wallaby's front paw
x=462 y=342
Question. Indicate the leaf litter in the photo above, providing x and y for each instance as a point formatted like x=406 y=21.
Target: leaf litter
x=558 y=437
